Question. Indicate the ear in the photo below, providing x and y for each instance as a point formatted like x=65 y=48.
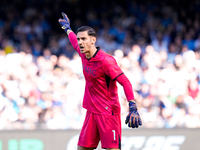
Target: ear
x=93 y=40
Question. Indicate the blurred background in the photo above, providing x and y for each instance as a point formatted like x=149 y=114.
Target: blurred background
x=156 y=43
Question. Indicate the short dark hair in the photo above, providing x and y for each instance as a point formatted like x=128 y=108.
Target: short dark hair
x=91 y=31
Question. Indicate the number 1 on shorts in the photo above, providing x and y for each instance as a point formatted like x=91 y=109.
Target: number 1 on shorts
x=114 y=134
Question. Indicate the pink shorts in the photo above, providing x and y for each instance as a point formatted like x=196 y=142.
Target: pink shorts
x=104 y=128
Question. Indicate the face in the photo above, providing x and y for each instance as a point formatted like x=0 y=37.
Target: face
x=85 y=42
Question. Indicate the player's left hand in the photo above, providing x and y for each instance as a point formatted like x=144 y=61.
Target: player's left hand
x=133 y=118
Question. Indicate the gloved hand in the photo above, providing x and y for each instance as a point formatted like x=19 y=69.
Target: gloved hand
x=133 y=118
x=65 y=23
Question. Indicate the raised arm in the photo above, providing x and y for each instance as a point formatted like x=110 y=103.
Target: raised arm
x=65 y=25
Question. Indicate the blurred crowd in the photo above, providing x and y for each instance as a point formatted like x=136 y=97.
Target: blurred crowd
x=157 y=45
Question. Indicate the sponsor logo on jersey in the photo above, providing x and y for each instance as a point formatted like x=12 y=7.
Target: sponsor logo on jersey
x=89 y=70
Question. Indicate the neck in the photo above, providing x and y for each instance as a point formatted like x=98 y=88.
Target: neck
x=91 y=53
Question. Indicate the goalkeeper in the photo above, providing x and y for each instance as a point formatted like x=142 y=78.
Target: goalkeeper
x=101 y=72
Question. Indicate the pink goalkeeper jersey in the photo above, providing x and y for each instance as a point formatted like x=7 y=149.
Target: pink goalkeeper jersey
x=100 y=73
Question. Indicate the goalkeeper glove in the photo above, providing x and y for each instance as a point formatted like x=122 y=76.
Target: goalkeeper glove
x=133 y=118
x=65 y=23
